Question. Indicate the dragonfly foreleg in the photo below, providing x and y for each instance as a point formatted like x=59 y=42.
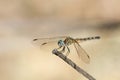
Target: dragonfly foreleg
x=59 y=47
x=67 y=51
x=63 y=50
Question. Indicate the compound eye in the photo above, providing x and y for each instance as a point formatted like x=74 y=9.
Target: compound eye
x=60 y=42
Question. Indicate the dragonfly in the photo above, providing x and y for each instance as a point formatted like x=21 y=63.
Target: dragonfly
x=65 y=41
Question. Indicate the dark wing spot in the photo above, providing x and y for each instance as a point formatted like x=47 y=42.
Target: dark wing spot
x=97 y=37
x=35 y=39
x=88 y=56
x=43 y=43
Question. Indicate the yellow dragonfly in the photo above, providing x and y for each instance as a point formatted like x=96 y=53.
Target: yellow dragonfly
x=65 y=41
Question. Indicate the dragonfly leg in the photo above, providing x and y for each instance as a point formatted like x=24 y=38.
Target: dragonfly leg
x=67 y=51
x=63 y=50
x=59 y=47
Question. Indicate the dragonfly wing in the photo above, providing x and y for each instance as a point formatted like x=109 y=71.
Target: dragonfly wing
x=44 y=41
x=82 y=53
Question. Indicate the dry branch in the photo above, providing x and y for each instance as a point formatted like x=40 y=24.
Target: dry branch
x=70 y=62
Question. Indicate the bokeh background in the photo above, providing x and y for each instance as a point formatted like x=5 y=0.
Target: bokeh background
x=23 y=20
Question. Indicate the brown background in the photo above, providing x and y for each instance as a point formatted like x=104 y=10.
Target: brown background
x=23 y=20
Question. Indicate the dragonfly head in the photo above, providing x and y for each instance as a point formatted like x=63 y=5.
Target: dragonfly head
x=61 y=43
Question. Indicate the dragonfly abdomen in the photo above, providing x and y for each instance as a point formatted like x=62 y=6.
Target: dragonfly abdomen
x=88 y=38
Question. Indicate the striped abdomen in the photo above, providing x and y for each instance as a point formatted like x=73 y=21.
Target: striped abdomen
x=88 y=38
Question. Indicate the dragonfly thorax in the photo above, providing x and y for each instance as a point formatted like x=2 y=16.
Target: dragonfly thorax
x=68 y=41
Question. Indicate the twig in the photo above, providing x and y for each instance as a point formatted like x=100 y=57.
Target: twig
x=70 y=62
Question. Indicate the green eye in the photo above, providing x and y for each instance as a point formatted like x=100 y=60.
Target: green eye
x=60 y=43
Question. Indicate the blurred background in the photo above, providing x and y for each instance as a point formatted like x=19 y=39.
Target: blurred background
x=23 y=20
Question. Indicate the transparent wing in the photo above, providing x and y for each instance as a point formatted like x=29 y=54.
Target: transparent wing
x=82 y=53
x=44 y=41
